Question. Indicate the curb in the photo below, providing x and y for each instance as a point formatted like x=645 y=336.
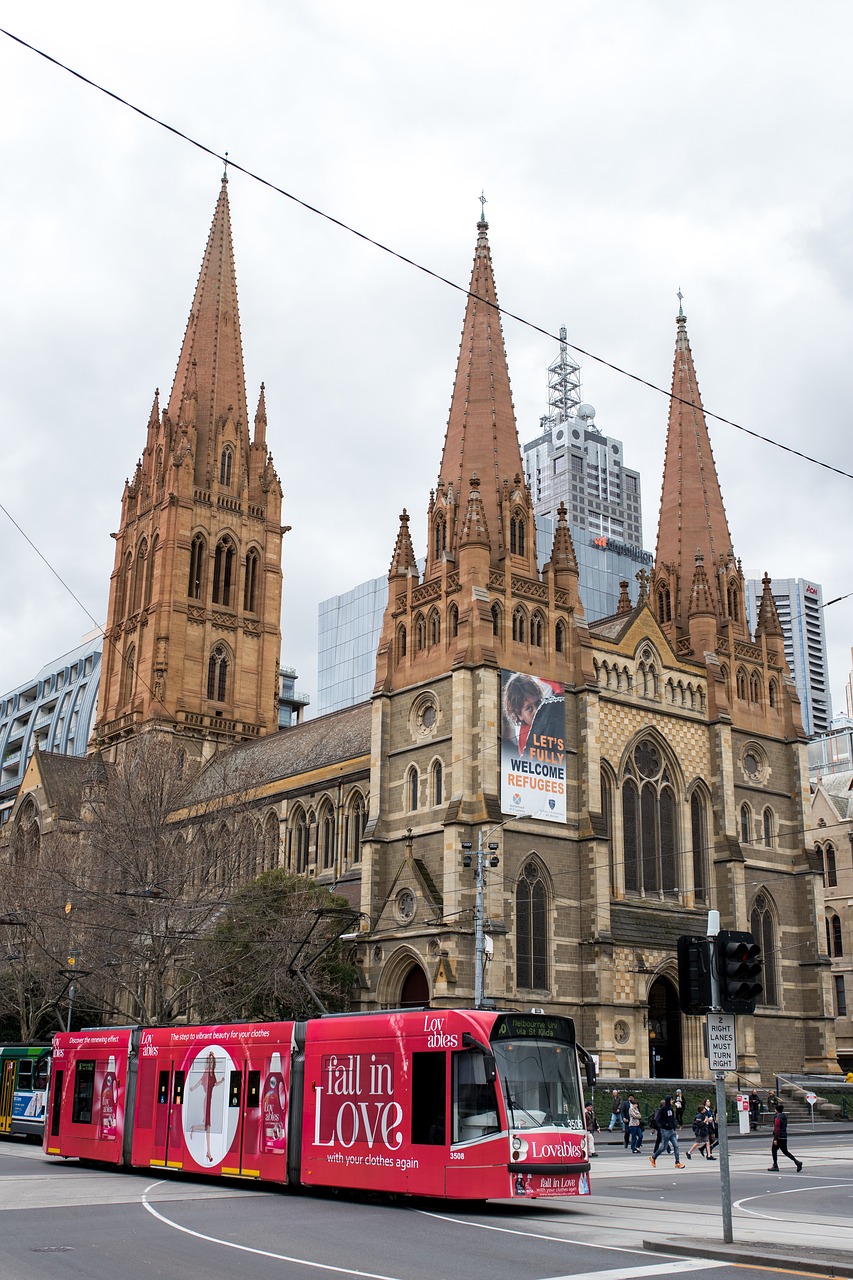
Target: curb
x=755 y=1254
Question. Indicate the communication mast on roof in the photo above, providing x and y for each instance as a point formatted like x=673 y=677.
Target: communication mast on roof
x=564 y=385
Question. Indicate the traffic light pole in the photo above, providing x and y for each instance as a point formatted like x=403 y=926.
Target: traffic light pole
x=720 y=1091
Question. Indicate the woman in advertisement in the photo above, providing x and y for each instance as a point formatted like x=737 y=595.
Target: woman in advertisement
x=207 y=1081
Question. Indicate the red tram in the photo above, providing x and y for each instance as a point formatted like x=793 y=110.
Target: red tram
x=450 y=1103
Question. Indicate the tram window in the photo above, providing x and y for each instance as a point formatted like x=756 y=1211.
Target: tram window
x=84 y=1091
x=163 y=1087
x=40 y=1072
x=178 y=1092
x=253 y=1089
x=475 y=1107
x=234 y=1089
x=429 y=1099
x=25 y=1073
x=57 y=1103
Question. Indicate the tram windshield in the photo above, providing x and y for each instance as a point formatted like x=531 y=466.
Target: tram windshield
x=539 y=1081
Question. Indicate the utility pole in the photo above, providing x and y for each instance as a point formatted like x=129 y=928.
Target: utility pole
x=485 y=854
x=720 y=1089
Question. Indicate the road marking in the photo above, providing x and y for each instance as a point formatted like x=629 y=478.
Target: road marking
x=633 y=1273
x=700 y=1264
x=790 y=1191
x=262 y=1253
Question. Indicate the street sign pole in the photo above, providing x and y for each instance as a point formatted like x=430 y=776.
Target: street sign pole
x=720 y=1051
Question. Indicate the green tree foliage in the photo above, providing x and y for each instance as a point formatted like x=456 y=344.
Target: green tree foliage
x=275 y=928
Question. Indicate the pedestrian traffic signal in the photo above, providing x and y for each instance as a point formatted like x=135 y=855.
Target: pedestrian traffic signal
x=694 y=975
x=738 y=971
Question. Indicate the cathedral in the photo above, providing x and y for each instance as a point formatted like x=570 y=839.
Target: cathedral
x=531 y=808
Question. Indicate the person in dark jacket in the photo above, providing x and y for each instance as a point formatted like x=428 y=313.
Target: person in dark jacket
x=754 y=1110
x=667 y=1130
x=780 y=1140
x=626 y=1119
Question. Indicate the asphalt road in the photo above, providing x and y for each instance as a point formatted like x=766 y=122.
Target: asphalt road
x=60 y=1220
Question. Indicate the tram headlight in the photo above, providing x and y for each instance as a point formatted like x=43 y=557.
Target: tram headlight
x=519 y=1148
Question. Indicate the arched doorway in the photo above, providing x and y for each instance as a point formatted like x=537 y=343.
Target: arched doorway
x=664 y=1031
x=414 y=992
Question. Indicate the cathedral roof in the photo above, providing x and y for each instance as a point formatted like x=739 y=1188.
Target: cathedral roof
x=481 y=437
x=63 y=778
x=692 y=516
x=210 y=366
x=328 y=742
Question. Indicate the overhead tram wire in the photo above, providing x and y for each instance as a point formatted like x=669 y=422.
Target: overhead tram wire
x=411 y=262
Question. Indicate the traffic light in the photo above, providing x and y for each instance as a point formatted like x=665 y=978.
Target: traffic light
x=694 y=975
x=738 y=971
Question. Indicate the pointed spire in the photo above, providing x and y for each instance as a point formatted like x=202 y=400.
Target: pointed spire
x=768 y=615
x=563 y=558
x=624 y=605
x=403 y=559
x=701 y=598
x=475 y=530
x=154 y=415
x=261 y=419
x=212 y=339
x=481 y=436
x=692 y=514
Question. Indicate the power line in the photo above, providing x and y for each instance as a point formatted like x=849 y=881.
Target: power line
x=412 y=262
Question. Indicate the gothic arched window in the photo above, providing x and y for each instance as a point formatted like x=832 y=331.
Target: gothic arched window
x=327 y=838
x=434 y=627
x=831 y=867
x=763 y=928
x=664 y=604
x=139 y=576
x=198 y=555
x=699 y=836
x=250 y=586
x=401 y=641
x=412 y=783
x=437 y=783
x=754 y=687
x=536 y=630
x=607 y=819
x=740 y=683
x=519 y=628
x=299 y=842
x=217 y=674
x=452 y=622
x=745 y=824
x=226 y=461
x=733 y=599
x=496 y=621
x=516 y=534
x=355 y=828
x=531 y=929
x=223 y=572
x=271 y=838
x=835 y=930
x=773 y=697
x=649 y=823
x=149 y=577
x=560 y=637
x=128 y=675
x=420 y=633
x=440 y=537
x=768 y=825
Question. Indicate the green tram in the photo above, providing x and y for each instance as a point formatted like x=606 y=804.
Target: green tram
x=24 y=1071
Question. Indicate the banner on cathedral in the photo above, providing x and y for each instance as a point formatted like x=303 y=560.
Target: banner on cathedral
x=533 y=746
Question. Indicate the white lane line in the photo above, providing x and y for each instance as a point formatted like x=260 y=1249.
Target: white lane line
x=634 y=1273
x=263 y=1253
x=684 y=1265
x=791 y=1191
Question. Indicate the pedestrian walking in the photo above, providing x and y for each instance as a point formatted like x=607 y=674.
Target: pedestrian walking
x=754 y=1110
x=667 y=1133
x=713 y=1131
x=592 y=1127
x=635 y=1125
x=615 y=1111
x=780 y=1140
x=678 y=1107
x=700 y=1133
x=626 y=1120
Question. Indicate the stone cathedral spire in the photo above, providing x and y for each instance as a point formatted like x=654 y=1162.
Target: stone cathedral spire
x=193 y=626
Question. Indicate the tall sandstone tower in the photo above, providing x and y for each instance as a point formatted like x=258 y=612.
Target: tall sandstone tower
x=193 y=625
x=684 y=770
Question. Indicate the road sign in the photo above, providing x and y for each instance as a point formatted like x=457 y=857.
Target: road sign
x=722 y=1051
x=811 y=1099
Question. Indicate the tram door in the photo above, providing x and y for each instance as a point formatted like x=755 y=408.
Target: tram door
x=167 y=1146
x=7 y=1094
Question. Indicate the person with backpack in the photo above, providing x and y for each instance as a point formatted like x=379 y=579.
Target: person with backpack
x=700 y=1133
x=667 y=1130
x=780 y=1140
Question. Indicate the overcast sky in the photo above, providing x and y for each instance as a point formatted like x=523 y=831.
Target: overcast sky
x=625 y=150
